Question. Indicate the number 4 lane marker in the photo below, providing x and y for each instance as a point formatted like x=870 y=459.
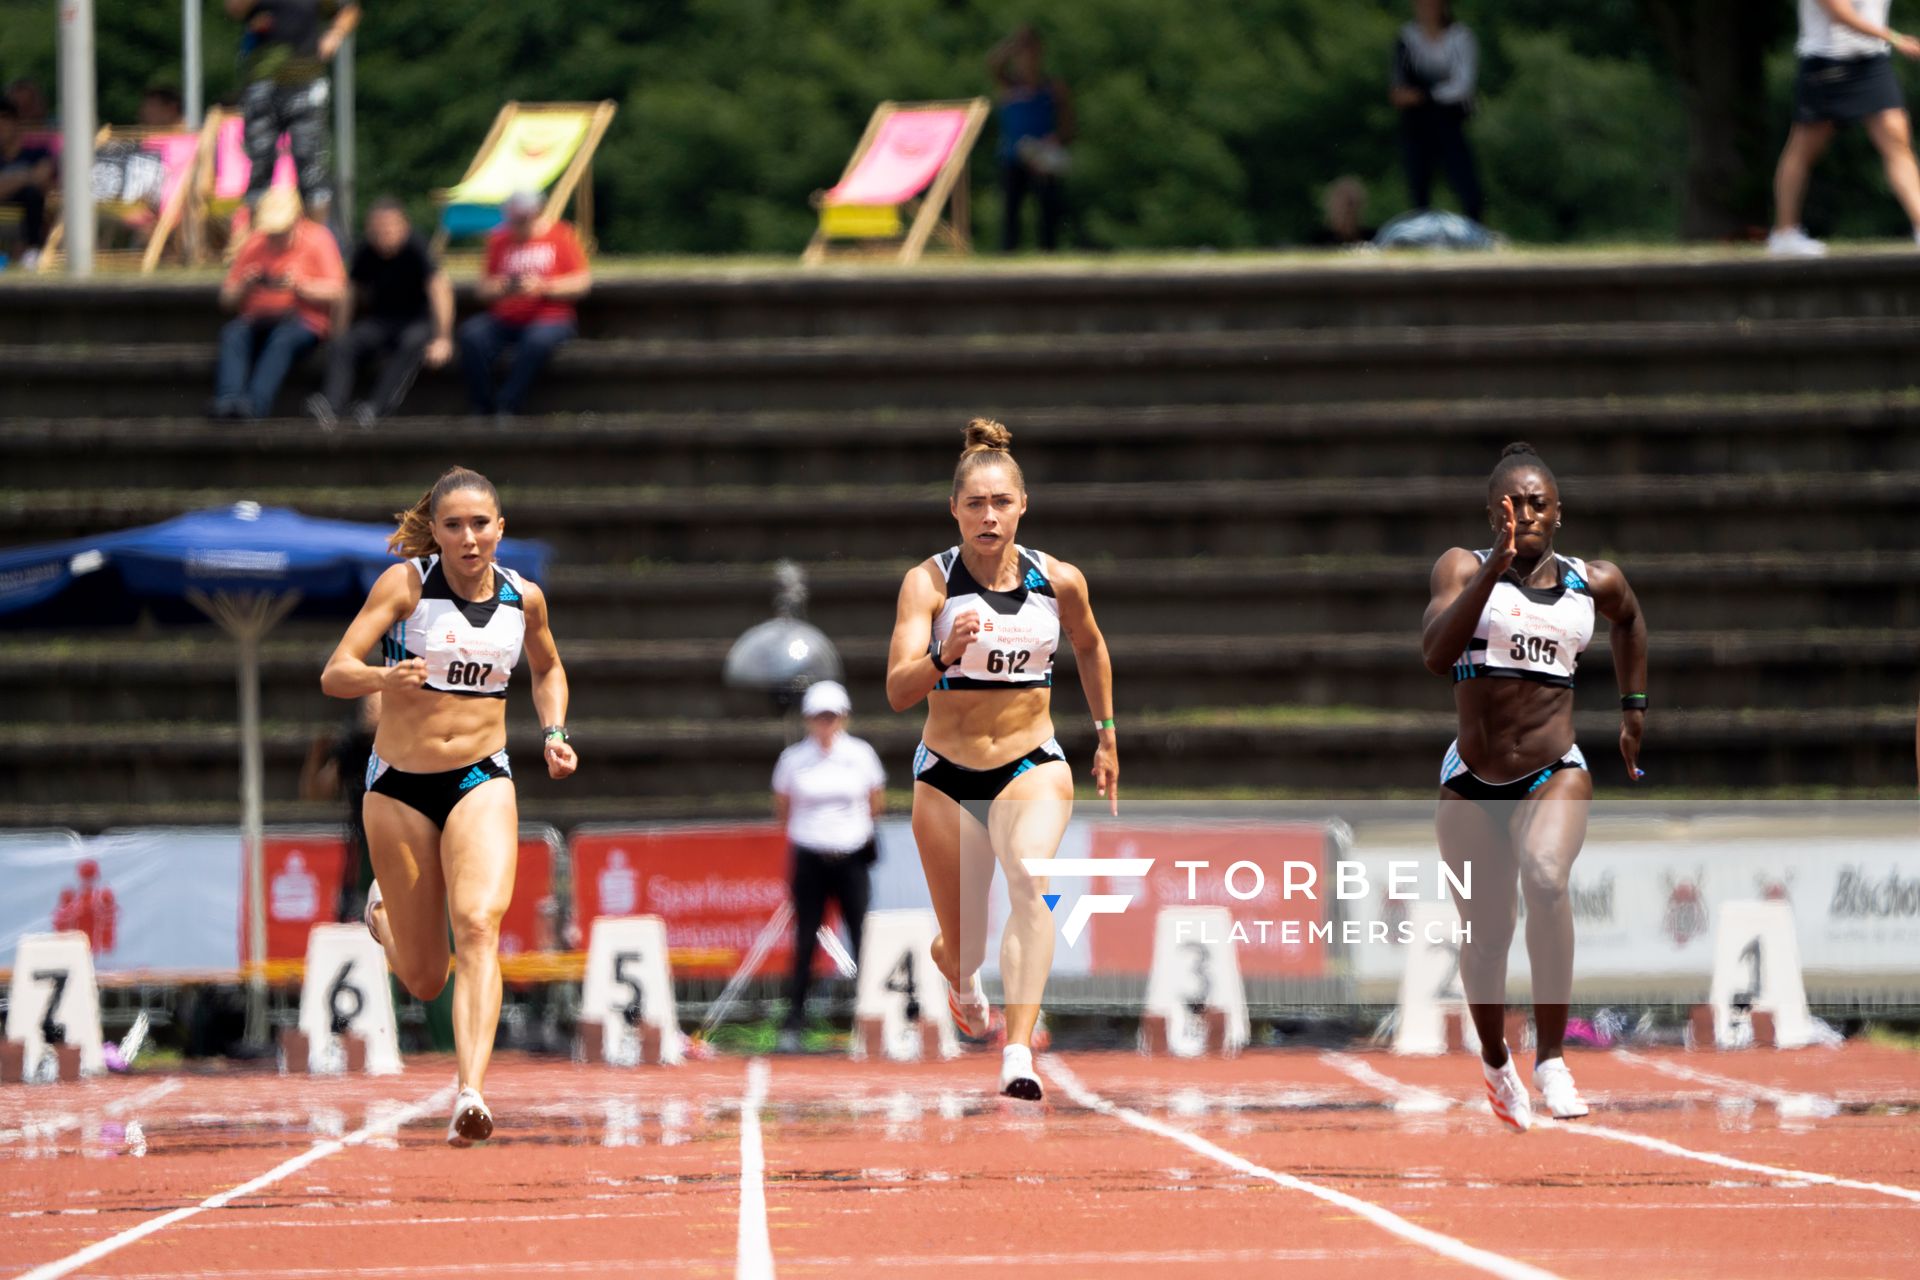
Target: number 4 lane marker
x=319 y=1151
x=1446 y=1246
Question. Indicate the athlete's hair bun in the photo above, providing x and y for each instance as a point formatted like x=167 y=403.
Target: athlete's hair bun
x=1519 y=447
x=985 y=433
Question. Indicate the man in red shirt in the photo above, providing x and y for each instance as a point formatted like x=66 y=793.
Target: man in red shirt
x=284 y=283
x=532 y=280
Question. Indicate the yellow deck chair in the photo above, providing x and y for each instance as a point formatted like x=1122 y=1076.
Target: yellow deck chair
x=539 y=146
x=153 y=173
x=912 y=161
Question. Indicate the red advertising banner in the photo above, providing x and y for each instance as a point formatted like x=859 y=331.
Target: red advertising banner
x=715 y=887
x=303 y=874
x=1271 y=926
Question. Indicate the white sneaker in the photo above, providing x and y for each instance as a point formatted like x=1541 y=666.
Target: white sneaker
x=971 y=1014
x=1017 y=1078
x=1794 y=242
x=1508 y=1096
x=1554 y=1080
x=471 y=1122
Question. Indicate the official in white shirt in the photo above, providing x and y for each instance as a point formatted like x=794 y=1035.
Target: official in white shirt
x=1845 y=74
x=827 y=790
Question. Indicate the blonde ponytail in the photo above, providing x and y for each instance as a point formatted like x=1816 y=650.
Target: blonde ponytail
x=414 y=534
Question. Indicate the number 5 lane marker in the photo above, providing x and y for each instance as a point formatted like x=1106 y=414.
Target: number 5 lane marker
x=1446 y=1246
x=319 y=1151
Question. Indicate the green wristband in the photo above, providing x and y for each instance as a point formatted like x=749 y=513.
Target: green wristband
x=559 y=731
x=1633 y=702
x=1103 y=724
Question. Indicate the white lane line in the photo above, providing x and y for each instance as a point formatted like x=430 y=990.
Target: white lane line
x=1792 y=1104
x=385 y=1126
x=1407 y=1098
x=1446 y=1246
x=1592 y=1129
x=754 y=1250
x=51 y=1126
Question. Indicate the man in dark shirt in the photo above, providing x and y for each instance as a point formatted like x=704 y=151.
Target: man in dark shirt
x=26 y=176
x=284 y=57
x=401 y=307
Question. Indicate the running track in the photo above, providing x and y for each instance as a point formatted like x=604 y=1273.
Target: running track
x=1296 y=1161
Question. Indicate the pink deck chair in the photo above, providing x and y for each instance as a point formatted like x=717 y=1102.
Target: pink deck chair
x=155 y=199
x=912 y=160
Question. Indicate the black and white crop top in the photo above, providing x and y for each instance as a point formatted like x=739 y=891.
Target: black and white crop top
x=470 y=646
x=1531 y=633
x=1019 y=629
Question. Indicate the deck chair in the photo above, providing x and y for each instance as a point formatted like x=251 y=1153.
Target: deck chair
x=911 y=161
x=142 y=179
x=537 y=146
x=220 y=181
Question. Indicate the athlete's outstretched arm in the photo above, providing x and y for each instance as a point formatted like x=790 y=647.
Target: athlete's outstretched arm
x=549 y=683
x=1621 y=608
x=347 y=674
x=911 y=674
x=1096 y=675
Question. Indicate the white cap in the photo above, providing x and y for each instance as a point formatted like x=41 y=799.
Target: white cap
x=825 y=697
x=523 y=203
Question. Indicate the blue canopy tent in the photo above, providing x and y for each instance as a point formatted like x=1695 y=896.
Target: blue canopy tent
x=246 y=567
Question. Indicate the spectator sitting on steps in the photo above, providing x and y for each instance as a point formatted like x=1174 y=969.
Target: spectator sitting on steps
x=533 y=278
x=401 y=305
x=285 y=284
x=1344 y=207
x=26 y=177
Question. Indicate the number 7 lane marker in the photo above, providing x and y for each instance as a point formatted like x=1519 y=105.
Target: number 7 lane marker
x=754 y=1249
x=1588 y=1128
x=1446 y=1246
x=319 y=1151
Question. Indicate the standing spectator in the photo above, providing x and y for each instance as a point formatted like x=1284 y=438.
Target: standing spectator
x=285 y=284
x=1845 y=74
x=401 y=306
x=284 y=60
x=531 y=282
x=1036 y=124
x=827 y=790
x=1343 y=213
x=1435 y=65
x=26 y=177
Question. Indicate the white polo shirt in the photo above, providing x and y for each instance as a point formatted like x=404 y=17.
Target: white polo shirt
x=829 y=793
x=1822 y=37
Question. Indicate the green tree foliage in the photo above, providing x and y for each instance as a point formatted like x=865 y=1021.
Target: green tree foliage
x=1204 y=123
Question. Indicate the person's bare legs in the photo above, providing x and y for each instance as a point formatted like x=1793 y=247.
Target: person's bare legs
x=1892 y=135
x=1548 y=830
x=1805 y=144
x=958 y=862
x=1027 y=821
x=411 y=921
x=1470 y=836
x=479 y=852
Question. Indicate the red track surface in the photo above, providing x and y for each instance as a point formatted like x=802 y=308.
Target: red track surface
x=1132 y=1168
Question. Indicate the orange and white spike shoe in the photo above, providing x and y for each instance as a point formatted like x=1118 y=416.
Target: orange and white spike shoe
x=1507 y=1096
x=972 y=1016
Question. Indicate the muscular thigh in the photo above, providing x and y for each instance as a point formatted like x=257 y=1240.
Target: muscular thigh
x=405 y=848
x=1029 y=817
x=1549 y=826
x=1475 y=843
x=479 y=852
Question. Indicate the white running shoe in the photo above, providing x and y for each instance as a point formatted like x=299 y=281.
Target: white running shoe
x=471 y=1122
x=1508 y=1096
x=1554 y=1080
x=972 y=1015
x=1017 y=1078
x=1794 y=242
x=374 y=899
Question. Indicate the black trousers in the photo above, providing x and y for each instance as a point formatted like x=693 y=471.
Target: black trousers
x=1435 y=134
x=402 y=342
x=1016 y=181
x=32 y=203
x=818 y=879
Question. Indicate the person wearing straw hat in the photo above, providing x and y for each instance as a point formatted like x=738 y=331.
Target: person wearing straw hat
x=827 y=790
x=284 y=283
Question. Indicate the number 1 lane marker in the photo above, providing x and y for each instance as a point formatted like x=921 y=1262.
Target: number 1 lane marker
x=386 y=1125
x=1446 y=1246
x=754 y=1249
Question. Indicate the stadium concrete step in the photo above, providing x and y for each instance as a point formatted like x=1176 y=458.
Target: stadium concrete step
x=1346 y=751
x=1180 y=294
x=983 y=372
x=1826 y=512
x=192 y=676
x=1703 y=434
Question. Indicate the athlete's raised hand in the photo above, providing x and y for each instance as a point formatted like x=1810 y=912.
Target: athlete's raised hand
x=966 y=629
x=561 y=759
x=411 y=674
x=1500 y=559
x=1106 y=773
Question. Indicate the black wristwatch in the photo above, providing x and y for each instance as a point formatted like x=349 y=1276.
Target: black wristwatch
x=937 y=664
